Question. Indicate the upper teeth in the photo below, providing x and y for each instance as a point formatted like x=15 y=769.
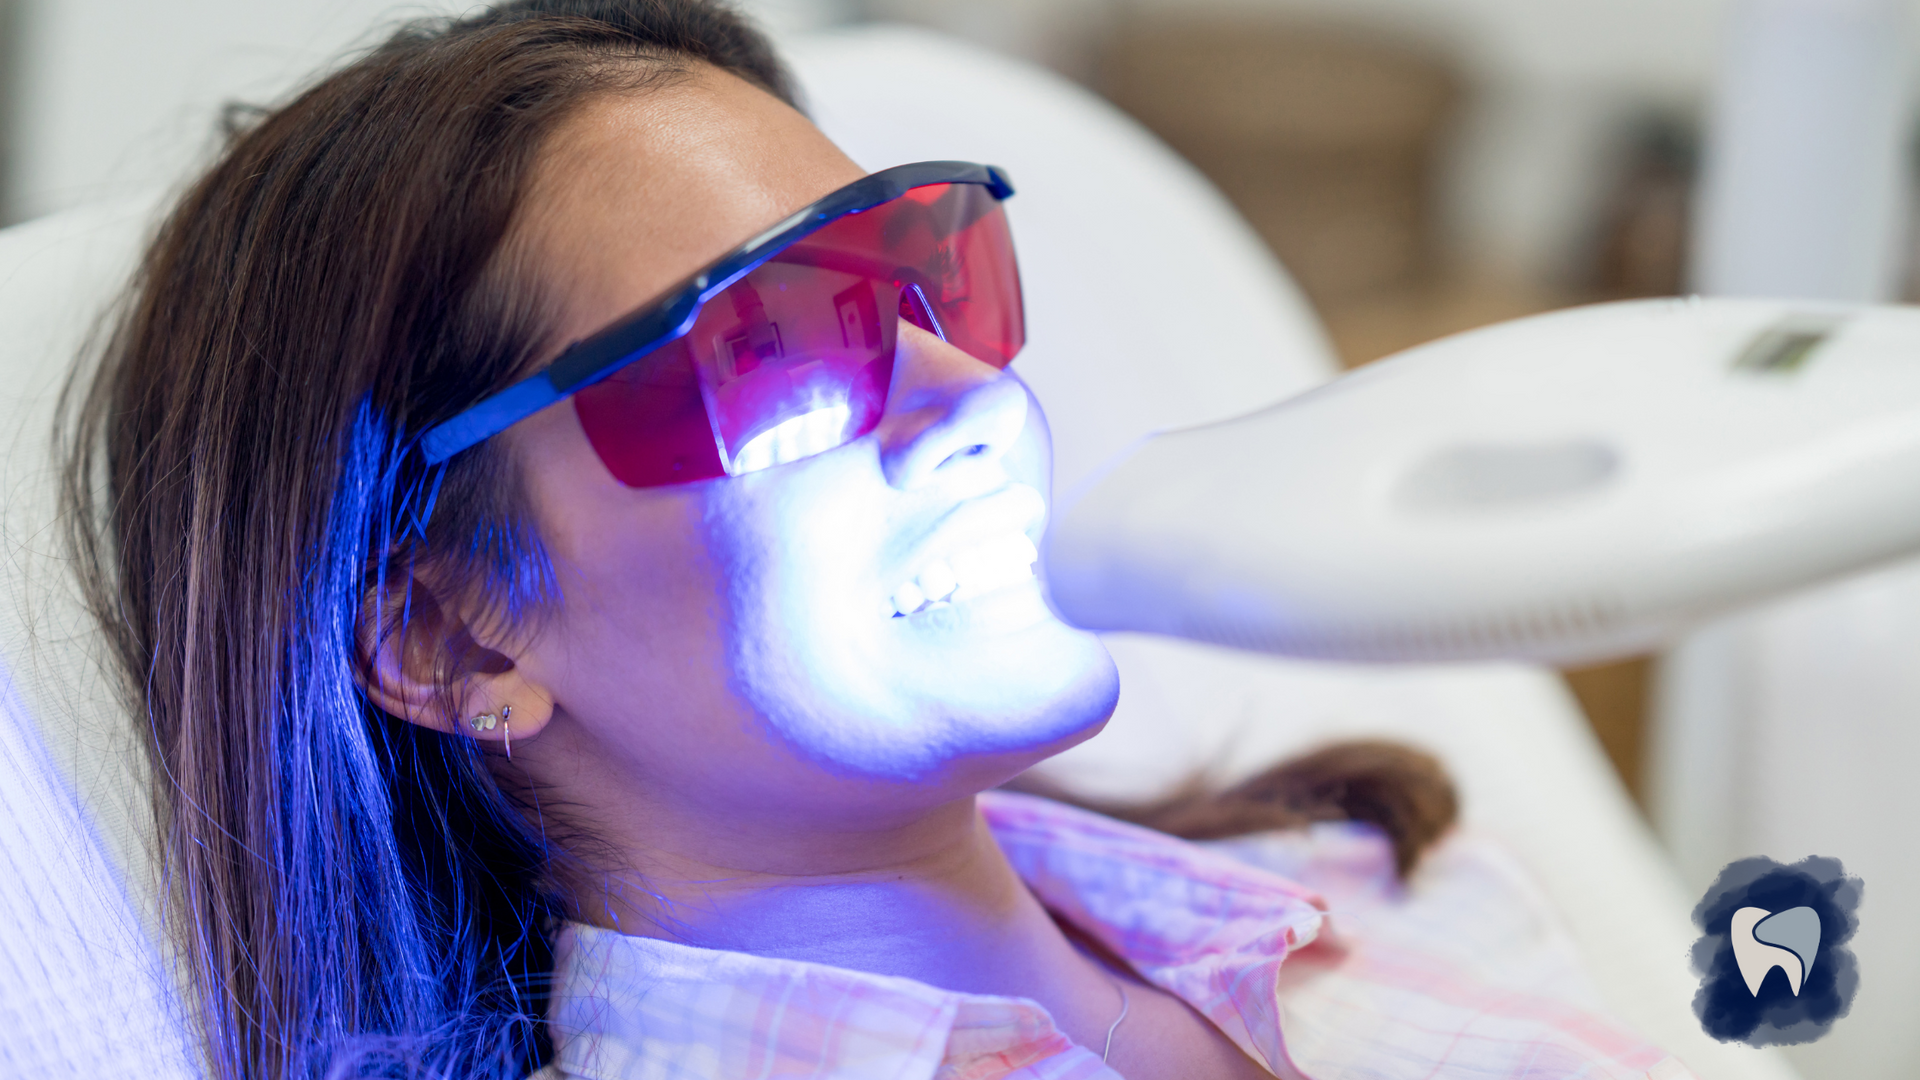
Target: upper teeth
x=989 y=565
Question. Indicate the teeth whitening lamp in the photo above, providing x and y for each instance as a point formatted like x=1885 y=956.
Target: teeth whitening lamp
x=1564 y=488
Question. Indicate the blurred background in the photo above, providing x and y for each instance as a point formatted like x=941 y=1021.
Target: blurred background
x=1421 y=167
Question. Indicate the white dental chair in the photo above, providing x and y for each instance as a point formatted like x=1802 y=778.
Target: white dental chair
x=1150 y=306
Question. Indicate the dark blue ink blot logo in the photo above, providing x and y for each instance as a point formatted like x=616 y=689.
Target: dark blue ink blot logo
x=1773 y=963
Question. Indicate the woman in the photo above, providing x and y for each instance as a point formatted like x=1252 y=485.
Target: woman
x=517 y=650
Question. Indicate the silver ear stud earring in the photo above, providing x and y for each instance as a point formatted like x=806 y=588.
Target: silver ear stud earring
x=487 y=721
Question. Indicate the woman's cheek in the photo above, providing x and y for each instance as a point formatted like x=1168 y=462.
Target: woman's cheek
x=795 y=548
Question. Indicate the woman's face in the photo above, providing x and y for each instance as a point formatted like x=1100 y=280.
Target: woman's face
x=736 y=642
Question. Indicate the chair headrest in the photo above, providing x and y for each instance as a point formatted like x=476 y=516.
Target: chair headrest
x=77 y=955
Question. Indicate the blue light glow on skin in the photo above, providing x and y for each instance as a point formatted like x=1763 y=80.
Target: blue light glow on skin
x=813 y=552
x=761 y=754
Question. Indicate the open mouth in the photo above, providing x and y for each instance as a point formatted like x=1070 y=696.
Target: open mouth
x=993 y=563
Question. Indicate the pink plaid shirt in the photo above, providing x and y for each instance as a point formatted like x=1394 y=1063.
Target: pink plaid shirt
x=1461 y=975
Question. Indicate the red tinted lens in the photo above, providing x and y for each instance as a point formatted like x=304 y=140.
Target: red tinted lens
x=965 y=269
x=948 y=245
x=648 y=421
x=796 y=358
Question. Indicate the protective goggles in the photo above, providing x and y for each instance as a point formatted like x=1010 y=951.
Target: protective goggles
x=783 y=348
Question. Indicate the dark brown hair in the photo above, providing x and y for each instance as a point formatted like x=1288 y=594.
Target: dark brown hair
x=1403 y=792
x=354 y=892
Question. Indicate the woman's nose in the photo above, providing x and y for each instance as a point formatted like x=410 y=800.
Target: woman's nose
x=945 y=407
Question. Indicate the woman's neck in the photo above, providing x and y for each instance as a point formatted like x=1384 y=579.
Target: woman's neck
x=932 y=898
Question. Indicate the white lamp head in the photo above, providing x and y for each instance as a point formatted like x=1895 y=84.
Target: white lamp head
x=1562 y=488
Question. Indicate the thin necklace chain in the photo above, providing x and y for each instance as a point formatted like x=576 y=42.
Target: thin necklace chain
x=1125 y=1005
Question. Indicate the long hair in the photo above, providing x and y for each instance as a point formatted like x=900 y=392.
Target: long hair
x=354 y=894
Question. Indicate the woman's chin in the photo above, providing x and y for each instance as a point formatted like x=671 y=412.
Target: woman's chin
x=990 y=719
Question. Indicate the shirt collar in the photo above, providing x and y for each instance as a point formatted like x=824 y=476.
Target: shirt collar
x=1198 y=924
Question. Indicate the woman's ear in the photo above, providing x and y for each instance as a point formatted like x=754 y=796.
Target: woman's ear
x=422 y=663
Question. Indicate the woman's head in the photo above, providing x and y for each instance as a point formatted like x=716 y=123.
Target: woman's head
x=414 y=232
x=736 y=639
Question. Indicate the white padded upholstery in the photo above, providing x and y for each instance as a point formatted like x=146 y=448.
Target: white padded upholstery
x=82 y=989
x=1140 y=281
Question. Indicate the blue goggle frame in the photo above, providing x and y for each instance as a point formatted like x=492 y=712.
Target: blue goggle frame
x=672 y=315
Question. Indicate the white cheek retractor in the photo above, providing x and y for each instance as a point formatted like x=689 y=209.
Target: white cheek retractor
x=1563 y=488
